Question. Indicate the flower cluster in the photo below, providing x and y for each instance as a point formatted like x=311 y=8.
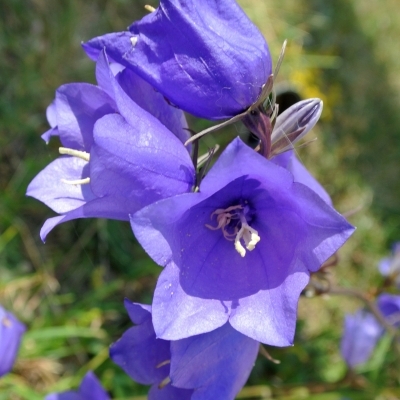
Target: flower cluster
x=237 y=244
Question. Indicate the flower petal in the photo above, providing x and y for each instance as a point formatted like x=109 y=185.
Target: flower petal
x=169 y=393
x=106 y=207
x=216 y=364
x=11 y=331
x=300 y=173
x=79 y=106
x=91 y=389
x=389 y=306
x=210 y=50
x=61 y=197
x=177 y=315
x=361 y=334
x=269 y=316
x=143 y=162
x=138 y=352
x=153 y=102
x=328 y=230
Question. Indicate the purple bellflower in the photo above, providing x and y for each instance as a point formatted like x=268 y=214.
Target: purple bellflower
x=389 y=306
x=205 y=56
x=390 y=266
x=122 y=149
x=240 y=249
x=11 y=331
x=90 y=389
x=360 y=336
x=362 y=330
x=213 y=365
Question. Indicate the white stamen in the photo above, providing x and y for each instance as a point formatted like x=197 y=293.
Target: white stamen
x=234 y=216
x=239 y=248
x=249 y=236
x=75 y=153
x=164 y=382
x=166 y=362
x=149 y=8
x=134 y=40
x=253 y=240
x=83 y=181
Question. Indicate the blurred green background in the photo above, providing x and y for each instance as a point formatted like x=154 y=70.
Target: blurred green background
x=69 y=291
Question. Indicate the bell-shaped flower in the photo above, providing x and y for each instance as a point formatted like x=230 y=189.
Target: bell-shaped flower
x=205 y=56
x=240 y=249
x=362 y=330
x=360 y=335
x=11 y=331
x=122 y=149
x=390 y=266
x=213 y=365
x=389 y=306
x=89 y=389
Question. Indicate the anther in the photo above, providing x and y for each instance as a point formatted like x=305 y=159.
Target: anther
x=149 y=8
x=164 y=382
x=248 y=235
x=74 y=153
x=234 y=226
x=83 y=181
x=134 y=40
x=6 y=322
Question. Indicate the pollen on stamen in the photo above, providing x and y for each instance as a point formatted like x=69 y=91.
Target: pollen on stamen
x=75 y=153
x=251 y=238
x=248 y=235
x=234 y=226
x=83 y=181
x=149 y=8
x=133 y=40
x=239 y=248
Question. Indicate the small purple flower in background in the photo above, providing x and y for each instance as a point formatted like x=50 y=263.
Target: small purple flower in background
x=205 y=56
x=389 y=306
x=240 y=249
x=210 y=366
x=360 y=336
x=90 y=389
x=11 y=331
x=390 y=266
x=122 y=149
x=362 y=330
